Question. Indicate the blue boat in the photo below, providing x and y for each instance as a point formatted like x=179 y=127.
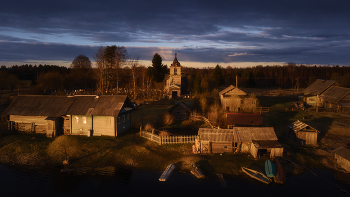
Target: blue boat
x=270 y=169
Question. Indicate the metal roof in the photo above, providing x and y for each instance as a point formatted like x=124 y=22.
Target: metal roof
x=318 y=86
x=298 y=126
x=343 y=152
x=218 y=135
x=39 y=105
x=241 y=119
x=335 y=93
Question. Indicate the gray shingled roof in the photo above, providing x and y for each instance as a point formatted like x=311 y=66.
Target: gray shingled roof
x=343 y=152
x=335 y=93
x=319 y=86
x=299 y=126
x=105 y=105
x=39 y=105
x=181 y=104
x=218 y=135
x=56 y=106
x=247 y=134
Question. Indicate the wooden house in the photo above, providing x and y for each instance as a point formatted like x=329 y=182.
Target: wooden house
x=259 y=141
x=337 y=98
x=342 y=157
x=180 y=111
x=231 y=98
x=38 y=113
x=218 y=140
x=107 y=115
x=312 y=92
x=243 y=120
x=303 y=133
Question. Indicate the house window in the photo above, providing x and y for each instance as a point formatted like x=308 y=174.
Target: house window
x=84 y=120
x=225 y=147
x=118 y=120
x=76 y=118
x=123 y=118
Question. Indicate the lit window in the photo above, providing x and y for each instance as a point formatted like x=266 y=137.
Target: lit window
x=76 y=118
x=84 y=120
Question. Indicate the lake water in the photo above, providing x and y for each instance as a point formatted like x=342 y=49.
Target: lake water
x=111 y=181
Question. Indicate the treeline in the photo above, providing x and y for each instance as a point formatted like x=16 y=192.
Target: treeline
x=286 y=76
x=116 y=73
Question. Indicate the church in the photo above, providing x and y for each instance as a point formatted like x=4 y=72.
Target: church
x=176 y=81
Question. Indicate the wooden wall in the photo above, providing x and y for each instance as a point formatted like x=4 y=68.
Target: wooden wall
x=221 y=147
x=342 y=162
x=274 y=152
x=309 y=137
x=104 y=125
x=81 y=124
x=179 y=113
x=35 y=124
x=123 y=125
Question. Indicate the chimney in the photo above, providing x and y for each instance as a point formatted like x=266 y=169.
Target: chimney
x=236 y=82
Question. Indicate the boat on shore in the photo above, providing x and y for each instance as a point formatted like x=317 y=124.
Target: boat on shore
x=196 y=171
x=256 y=175
x=270 y=169
x=167 y=172
x=280 y=174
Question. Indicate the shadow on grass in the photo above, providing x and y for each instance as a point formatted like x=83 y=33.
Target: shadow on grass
x=206 y=168
x=323 y=128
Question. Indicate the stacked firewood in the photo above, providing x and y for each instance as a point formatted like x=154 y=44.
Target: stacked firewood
x=298 y=105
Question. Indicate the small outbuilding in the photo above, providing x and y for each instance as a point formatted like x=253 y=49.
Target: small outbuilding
x=337 y=98
x=259 y=141
x=218 y=140
x=303 y=133
x=342 y=157
x=312 y=92
x=180 y=111
x=243 y=120
x=38 y=113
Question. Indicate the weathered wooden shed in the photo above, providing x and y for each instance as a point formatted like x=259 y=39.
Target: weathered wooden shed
x=259 y=141
x=180 y=111
x=218 y=140
x=38 y=113
x=342 y=157
x=337 y=98
x=107 y=115
x=243 y=120
x=303 y=133
x=312 y=92
x=225 y=97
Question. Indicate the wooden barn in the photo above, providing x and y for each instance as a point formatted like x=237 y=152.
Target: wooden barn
x=180 y=111
x=303 y=133
x=243 y=120
x=38 y=113
x=312 y=92
x=337 y=98
x=342 y=157
x=259 y=141
x=107 y=115
x=218 y=140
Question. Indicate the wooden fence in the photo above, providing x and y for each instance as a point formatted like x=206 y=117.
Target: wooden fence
x=168 y=139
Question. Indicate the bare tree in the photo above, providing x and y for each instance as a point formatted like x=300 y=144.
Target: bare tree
x=101 y=67
x=134 y=64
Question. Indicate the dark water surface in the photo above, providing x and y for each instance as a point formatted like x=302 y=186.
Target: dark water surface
x=112 y=181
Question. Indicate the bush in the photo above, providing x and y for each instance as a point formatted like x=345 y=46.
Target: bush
x=168 y=119
x=148 y=127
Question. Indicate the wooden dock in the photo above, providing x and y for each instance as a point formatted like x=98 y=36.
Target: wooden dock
x=167 y=172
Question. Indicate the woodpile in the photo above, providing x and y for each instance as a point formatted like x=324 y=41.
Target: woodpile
x=298 y=105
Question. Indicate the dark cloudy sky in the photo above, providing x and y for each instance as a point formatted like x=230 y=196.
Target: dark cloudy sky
x=202 y=33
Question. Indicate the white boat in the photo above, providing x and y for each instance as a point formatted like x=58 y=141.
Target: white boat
x=256 y=175
x=167 y=172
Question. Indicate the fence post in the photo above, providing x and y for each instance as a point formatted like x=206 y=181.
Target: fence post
x=160 y=139
x=140 y=131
